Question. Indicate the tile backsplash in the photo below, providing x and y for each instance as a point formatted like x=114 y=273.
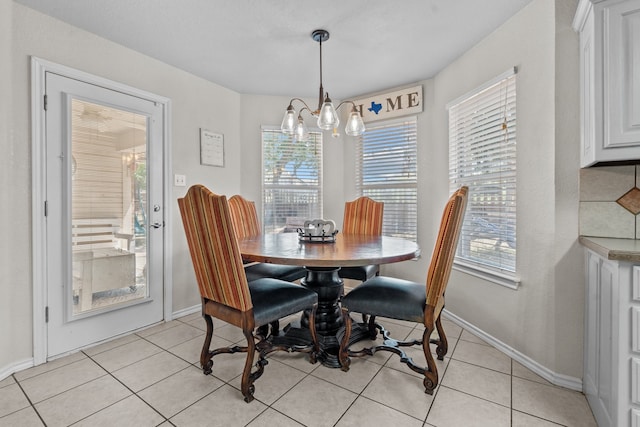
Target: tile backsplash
x=610 y=201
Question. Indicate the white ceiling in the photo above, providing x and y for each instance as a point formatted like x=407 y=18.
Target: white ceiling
x=265 y=46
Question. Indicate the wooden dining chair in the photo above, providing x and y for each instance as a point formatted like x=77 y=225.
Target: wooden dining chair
x=227 y=295
x=362 y=216
x=405 y=300
x=245 y=223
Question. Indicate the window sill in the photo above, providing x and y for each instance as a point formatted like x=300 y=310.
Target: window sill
x=509 y=281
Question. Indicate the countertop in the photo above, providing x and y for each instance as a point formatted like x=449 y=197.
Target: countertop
x=613 y=249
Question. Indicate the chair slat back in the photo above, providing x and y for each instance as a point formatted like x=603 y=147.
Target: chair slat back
x=244 y=216
x=445 y=249
x=363 y=216
x=214 y=248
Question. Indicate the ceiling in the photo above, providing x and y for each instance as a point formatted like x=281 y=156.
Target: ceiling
x=264 y=47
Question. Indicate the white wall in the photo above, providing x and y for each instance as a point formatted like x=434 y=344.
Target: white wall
x=569 y=281
x=523 y=318
x=195 y=103
x=543 y=319
x=15 y=279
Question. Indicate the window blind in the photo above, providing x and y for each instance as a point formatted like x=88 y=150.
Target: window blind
x=482 y=156
x=387 y=171
x=291 y=180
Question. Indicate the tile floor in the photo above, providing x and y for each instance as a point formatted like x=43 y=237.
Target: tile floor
x=153 y=378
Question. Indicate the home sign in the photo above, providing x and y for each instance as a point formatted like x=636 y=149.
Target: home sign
x=392 y=104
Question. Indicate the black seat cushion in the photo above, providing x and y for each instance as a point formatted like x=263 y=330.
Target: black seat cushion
x=288 y=273
x=274 y=299
x=388 y=297
x=362 y=273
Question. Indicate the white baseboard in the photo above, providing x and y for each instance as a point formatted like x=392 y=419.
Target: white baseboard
x=553 y=377
x=15 y=367
x=187 y=311
x=28 y=363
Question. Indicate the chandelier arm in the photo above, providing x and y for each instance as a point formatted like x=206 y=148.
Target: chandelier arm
x=303 y=103
x=304 y=108
x=353 y=105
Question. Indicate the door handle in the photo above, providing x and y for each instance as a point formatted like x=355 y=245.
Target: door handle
x=158 y=224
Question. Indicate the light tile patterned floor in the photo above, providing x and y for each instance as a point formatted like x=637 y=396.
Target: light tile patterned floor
x=153 y=378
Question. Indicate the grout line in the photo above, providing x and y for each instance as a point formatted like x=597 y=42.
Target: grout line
x=28 y=400
x=311 y=373
x=49 y=370
x=479 y=366
x=128 y=388
x=477 y=397
x=441 y=377
x=64 y=391
x=360 y=395
x=539 y=418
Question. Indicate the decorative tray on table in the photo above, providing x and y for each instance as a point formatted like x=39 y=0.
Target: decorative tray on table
x=306 y=236
x=318 y=230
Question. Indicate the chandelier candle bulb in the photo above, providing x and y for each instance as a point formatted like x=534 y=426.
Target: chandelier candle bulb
x=301 y=133
x=355 y=125
x=289 y=120
x=328 y=117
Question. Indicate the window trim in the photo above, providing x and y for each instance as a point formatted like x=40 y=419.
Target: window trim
x=504 y=278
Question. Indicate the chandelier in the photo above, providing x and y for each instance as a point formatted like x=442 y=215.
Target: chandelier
x=326 y=113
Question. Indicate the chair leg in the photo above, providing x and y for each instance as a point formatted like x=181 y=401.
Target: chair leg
x=443 y=345
x=275 y=327
x=271 y=329
x=371 y=325
x=343 y=352
x=431 y=373
x=262 y=331
x=313 y=356
x=205 y=354
x=246 y=385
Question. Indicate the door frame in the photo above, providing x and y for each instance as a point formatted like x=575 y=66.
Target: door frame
x=38 y=176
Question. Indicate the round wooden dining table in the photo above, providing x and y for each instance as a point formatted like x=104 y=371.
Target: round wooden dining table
x=322 y=258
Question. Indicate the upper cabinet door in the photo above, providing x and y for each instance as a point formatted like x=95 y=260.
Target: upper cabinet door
x=622 y=74
x=610 y=80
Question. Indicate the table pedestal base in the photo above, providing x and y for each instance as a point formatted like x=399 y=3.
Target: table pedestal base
x=329 y=287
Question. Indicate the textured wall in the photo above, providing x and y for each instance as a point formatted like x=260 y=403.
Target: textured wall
x=195 y=103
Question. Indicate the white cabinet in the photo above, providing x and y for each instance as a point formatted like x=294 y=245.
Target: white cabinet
x=609 y=80
x=611 y=379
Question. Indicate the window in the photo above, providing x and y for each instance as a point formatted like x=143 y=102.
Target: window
x=291 y=180
x=387 y=172
x=482 y=156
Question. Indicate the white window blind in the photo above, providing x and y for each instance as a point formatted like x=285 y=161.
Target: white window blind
x=482 y=156
x=387 y=171
x=291 y=180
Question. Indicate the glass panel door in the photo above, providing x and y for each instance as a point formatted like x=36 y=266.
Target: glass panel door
x=108 y=204
x=105 y=216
